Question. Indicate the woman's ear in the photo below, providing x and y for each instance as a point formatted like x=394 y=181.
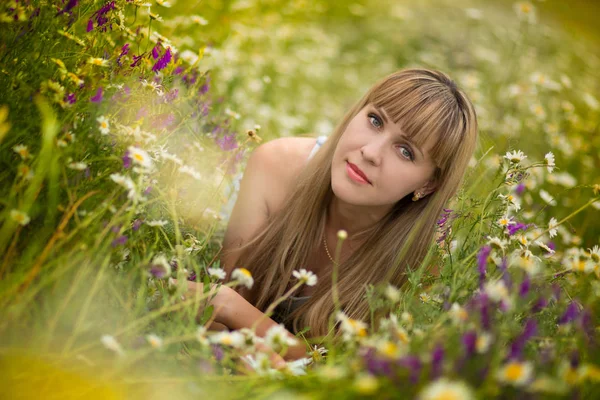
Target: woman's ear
x=428 y=188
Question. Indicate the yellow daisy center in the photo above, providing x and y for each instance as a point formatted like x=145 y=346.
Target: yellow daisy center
x=246 y=272
x=447 y=394
x=103 y=124
x=138 y=157
x=514 y=372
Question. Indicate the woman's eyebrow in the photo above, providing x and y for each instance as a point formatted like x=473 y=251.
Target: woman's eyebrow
x=386 y=120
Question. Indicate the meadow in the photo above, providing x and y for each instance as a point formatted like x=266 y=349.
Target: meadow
x=124 y=123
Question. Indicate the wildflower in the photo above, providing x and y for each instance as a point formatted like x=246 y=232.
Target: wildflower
x=218 y=273
x=505 y=221
x=103 y=125
x=140 y=156
x=298 y=367
x=154 y=341
x=22 y=151
x=570 y=314
x=496 y=290
x=171 y=157
x=515 y=373
x=511 y=201
x=232 y=339
x=201 y=336
x=253 y=136
x=199 y=20
x=78 y=166
x=317 y=352
x=515 y=157
x=20 y=217
x=157 y=222
x=159 y=267
x=101 y=62
x=482 y=344
x=111 y=343
x=543 y=246
x=549 y=157
x=496 y=242
x=458 y=313
x=351 y=327
x=444 y=389
x=243 y=276
x=366 y=384
x=97 y=98
x=392 y=293
x=595 y=254
x=547 y=197
x=305 y=277
x=552 y=231
x=23 y=170
x=191 y=171
x=425 y=297
x=525 y=11
x=162 y=61
x=278 y=338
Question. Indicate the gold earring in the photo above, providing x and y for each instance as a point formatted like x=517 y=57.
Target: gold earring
x=417 y=196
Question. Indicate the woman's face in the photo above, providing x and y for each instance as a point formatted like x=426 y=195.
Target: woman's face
x=393 y=166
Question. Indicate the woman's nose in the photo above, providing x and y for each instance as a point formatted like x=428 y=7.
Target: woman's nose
x=372 y=151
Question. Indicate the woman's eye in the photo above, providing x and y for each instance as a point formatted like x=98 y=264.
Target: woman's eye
x=378 y=123
x=406 y=153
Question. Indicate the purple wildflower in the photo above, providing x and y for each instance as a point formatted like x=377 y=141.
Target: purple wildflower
x=517 y=346
x=126 y=160
x=90 y=25
x=178 y=70
x=505 y=274
x=227 y=142
x=587 y=326
x=437 y=360
x=414 y=365
x=520 y=189
x=136 y=224
x=486 y=322
x=469 y=340
x=575 y=359
x=156 y=51
x=570 y=314
x=136 y=60
x=162 y=61
x=218 y=352
x=121 y=240
x=514 y=228
x=67 y=9
x=124 y=51
x=97 y=98
x=539 y=305
x=148 y=190
x=206 y=86
x=482 y=257
x=71 y=98
x=171 y=95
x=525 y=286
x=376 y=365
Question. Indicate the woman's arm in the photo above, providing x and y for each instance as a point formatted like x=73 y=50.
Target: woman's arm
x=235 y=312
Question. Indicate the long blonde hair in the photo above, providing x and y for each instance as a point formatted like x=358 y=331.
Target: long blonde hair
x=424 y=102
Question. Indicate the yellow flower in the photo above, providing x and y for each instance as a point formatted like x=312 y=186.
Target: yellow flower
x=515 y=373
x=4 y=124
x=154 y=341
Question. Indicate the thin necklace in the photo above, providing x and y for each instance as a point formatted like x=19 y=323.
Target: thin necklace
x=327 y=250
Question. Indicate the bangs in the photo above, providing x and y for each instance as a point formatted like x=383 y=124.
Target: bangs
x=424 y=108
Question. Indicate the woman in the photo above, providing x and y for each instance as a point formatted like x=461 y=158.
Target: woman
x=384 y=175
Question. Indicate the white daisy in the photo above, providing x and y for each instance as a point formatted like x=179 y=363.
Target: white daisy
x=154 y=341
x=515 y=157
x=157 y=222
x=392 y=293
x=232 y=339
x=111 y=343
x=515 y=373
x=218 y=273
x=547 y=197
x=306 y=277
x=543 y=246
x=191 y=171
x=498 y=243
x=278 y=338
x=20 y=217
x=101 y=62
x=497 y=290
x=483 y=342
x=78 y=166
x=243 y=276
x=525 y=11
x=103 y=125
x=22 y=151
x=140 y=157
x=595 y=253
x=549 y=157
x=552 y=227
x=351 y=327
x=444 y=389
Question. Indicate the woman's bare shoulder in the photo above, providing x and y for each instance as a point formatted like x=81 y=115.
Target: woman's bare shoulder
x=288 y=155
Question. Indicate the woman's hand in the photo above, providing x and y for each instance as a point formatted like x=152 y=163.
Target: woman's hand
x=219 y=301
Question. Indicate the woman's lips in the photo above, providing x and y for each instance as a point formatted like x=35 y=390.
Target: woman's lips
x=356 y=174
